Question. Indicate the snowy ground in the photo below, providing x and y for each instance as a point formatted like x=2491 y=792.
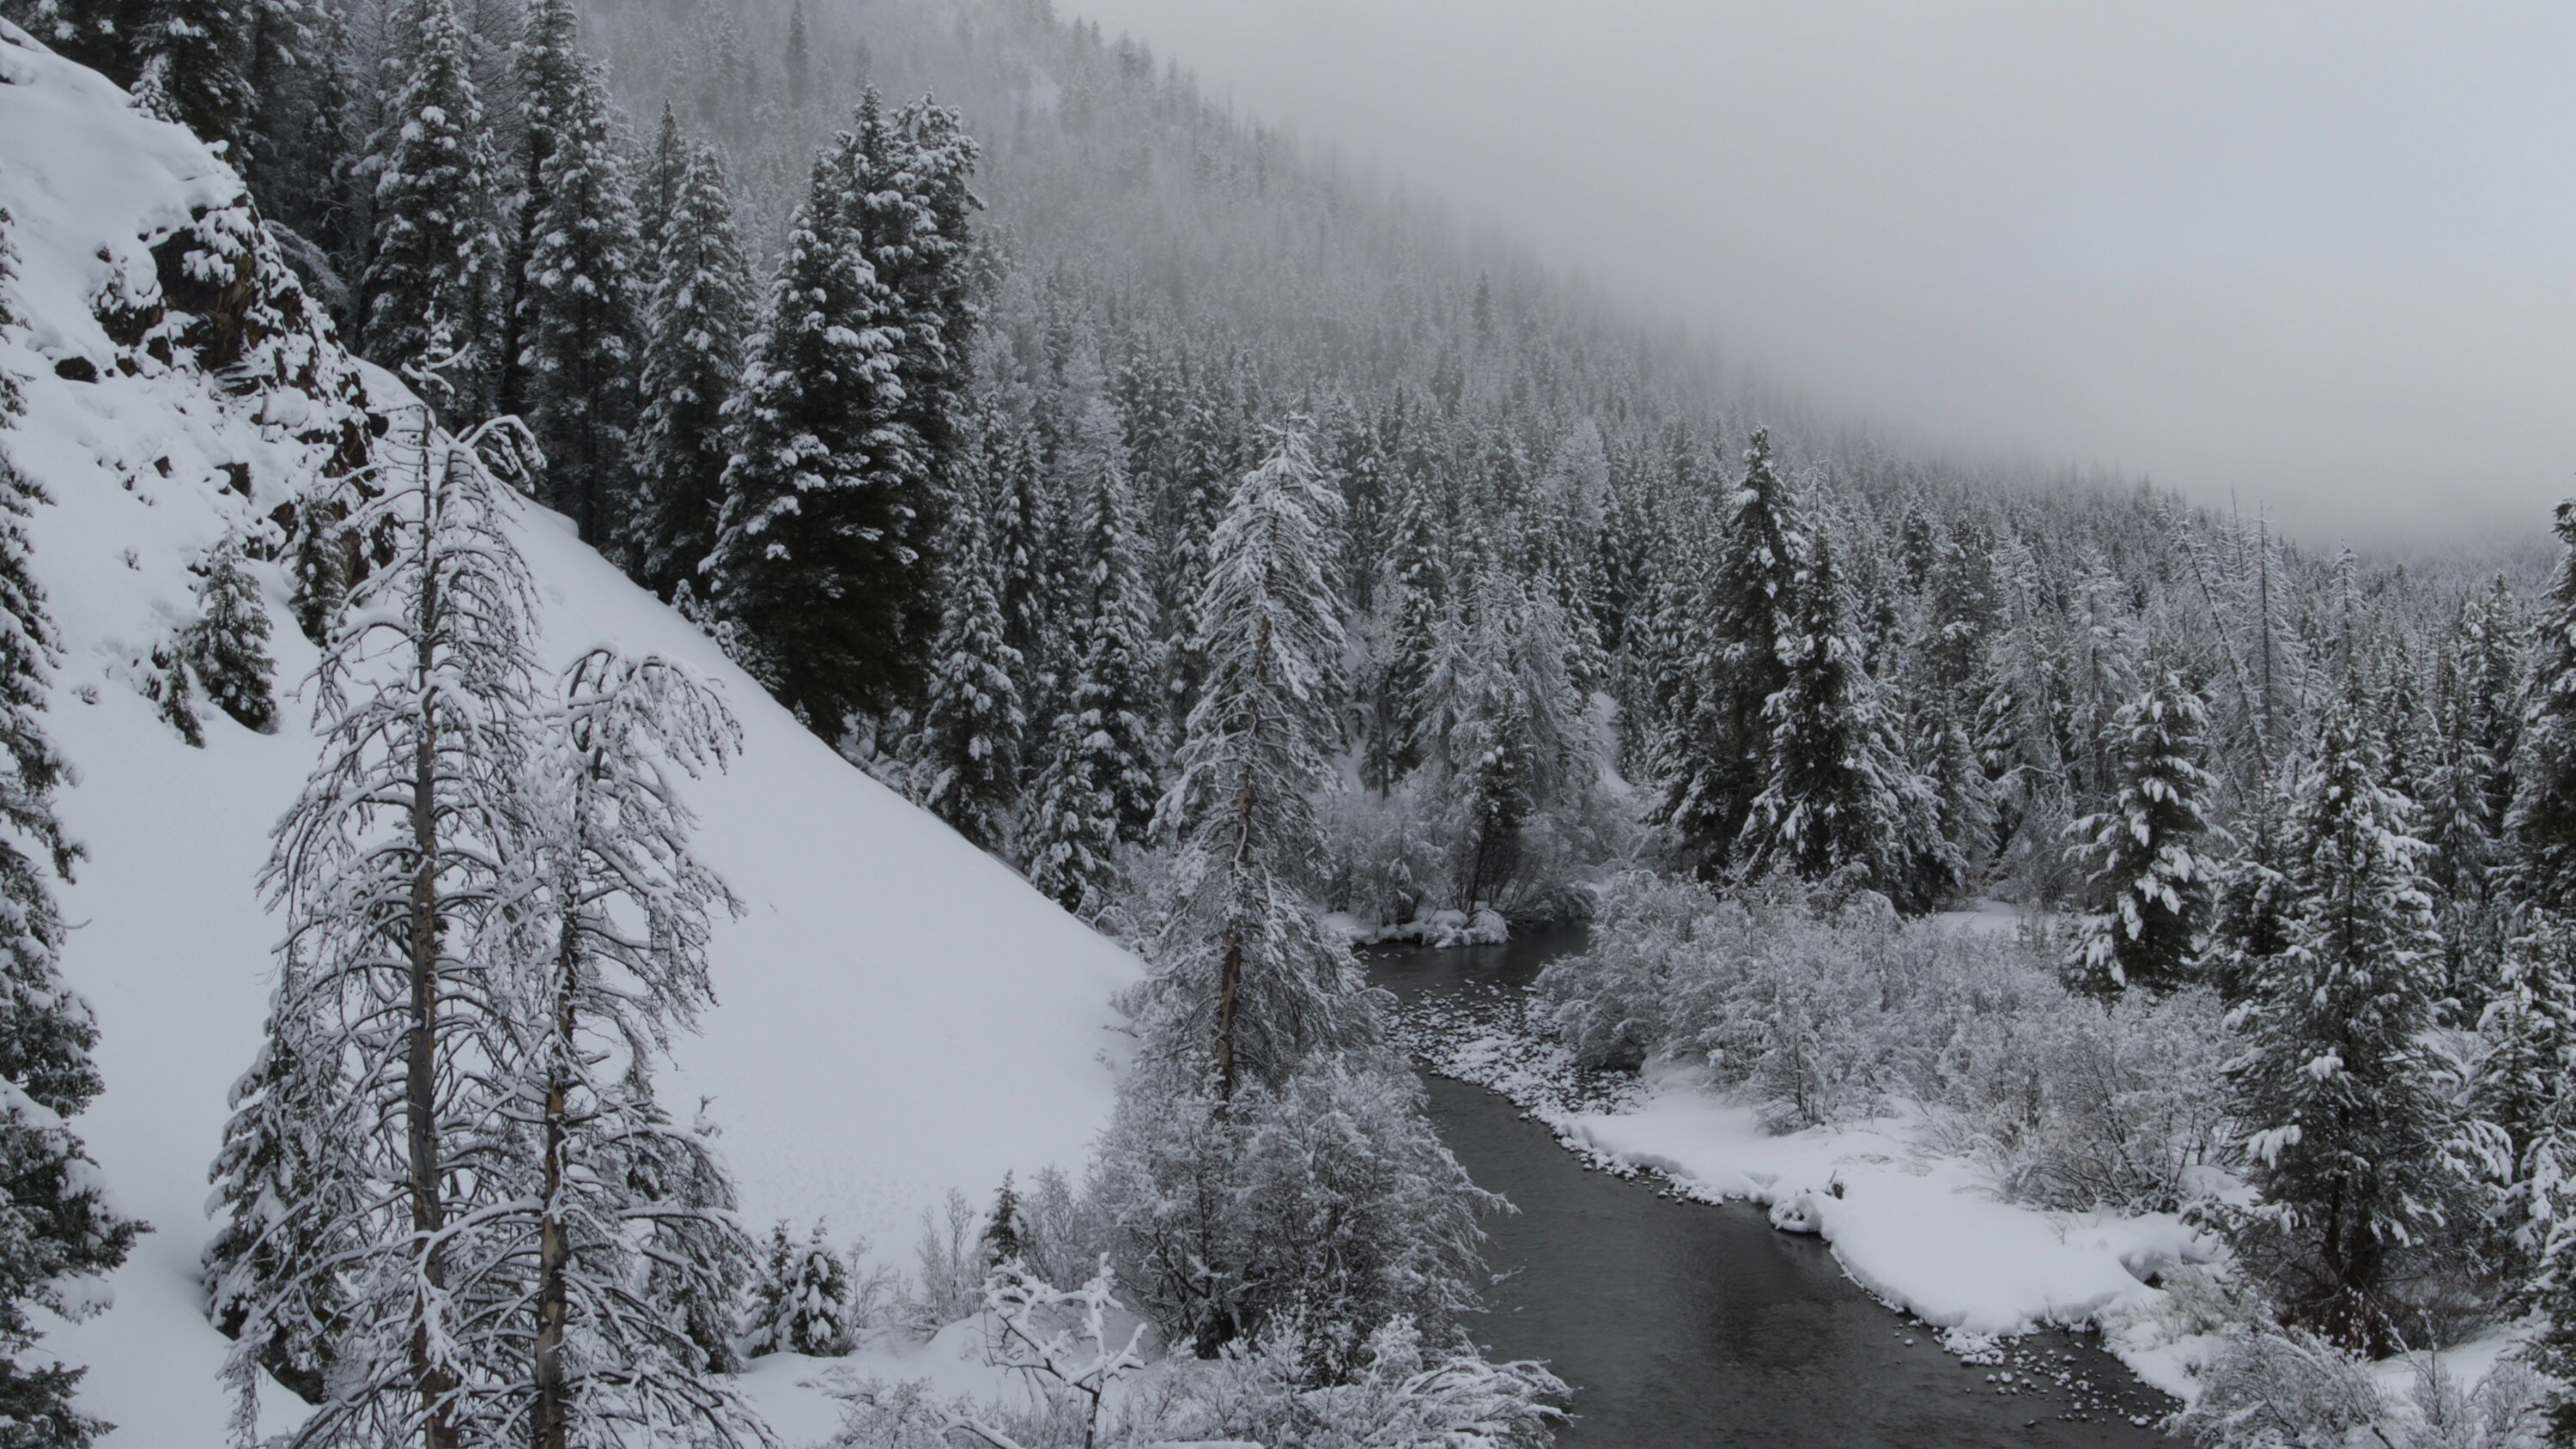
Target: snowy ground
x=899 y=1013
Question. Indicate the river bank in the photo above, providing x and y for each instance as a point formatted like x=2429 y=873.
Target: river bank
x=1683 y=1322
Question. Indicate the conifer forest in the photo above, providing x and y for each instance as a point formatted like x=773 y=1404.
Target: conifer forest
x=737 y=701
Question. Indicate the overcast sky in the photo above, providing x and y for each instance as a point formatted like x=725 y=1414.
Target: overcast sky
x=2320 y=254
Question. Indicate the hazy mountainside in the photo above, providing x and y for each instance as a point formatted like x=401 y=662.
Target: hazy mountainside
x=898 y=1015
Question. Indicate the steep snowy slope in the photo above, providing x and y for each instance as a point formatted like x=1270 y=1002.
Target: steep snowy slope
x=899 y=1013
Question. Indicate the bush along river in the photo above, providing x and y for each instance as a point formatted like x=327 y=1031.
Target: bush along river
x=1684 y=1324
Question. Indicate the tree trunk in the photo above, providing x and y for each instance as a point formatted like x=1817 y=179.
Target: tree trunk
x=420 y=1074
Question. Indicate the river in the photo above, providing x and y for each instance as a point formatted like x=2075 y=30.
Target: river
x=1681 y=1324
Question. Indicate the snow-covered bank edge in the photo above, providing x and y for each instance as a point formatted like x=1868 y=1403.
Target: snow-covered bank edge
x=1917 y=1231
x=1439 y=929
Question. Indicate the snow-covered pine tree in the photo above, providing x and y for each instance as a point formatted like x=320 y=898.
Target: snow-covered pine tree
x=1097 y=787
x=911 y=212
x=965 y=759
x=226 y=645
x=2022 y=734
x=401 y=972
x=2528 y=1029
x=2453 y=803
x=1837 y=789
x=58 y=1231
x=807 y=534
x=2145 y=853
x=99 y=34
x=576 y=311
x=283 y=1206
x=1411 y=603
x=700 y=309
x=2543 y=819
x=1244 y=971
x=801 y=1303
x=2345 y=1127
x=657 y=194
x=1714 y=754
x=628 y=909
x=429 y=283
x=196 y=57
x=1014 y=485
x=2251 y=908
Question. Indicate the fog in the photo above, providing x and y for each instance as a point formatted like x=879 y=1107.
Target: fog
x=2320 y=257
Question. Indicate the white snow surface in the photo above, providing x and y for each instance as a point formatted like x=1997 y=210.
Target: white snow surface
x=899 y=1014
x=1924 y=1234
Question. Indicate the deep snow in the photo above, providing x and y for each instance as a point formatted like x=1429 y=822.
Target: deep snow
x=899 y=1013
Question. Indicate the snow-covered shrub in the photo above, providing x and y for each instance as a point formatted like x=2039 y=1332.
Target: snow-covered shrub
x=1327 y=1200
x=2281 y=1391
x=1611 y=1004
x=1825 y=1006
x=1385 y=859
x=2084 y=1104
x=949 y=1266
x=1404 y=1391
x=2504 y=1411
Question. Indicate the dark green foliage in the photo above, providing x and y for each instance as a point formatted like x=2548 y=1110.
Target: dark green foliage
x=2147 y=865
x=429 y=286
x=226 y=645
x=700 y=308
x=2347 y=1126
x=196 y=59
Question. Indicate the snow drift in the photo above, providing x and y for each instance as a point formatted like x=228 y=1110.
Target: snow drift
x=898 y=1013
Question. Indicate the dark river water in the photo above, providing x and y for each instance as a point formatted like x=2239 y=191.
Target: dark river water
x=1681 y=1324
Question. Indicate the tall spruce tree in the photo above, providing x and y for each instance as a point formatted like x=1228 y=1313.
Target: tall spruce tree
x=1097 y=787
x=1713 y=755
x=2145 y=852
x=695 y=322
x=58 y=1232
x=1837 y=790
x=429 y=283
x=966 y=758
x=576 y=315
x=1244 y=970
x=2543 y=818
x=810 y=559
x=2346 y=1125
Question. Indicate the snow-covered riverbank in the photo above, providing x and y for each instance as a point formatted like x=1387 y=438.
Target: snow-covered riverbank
x=1919 y=1231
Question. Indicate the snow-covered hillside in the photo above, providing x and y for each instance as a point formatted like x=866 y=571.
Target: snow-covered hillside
x=899 y=1013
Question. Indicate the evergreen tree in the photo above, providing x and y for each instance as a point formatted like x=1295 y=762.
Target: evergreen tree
x=1837 y=790
x=578 y=320
x=799 y=60
x=576 y=310
x=694 y=325
x=1244 y=971
x=196 y=59
x=283 y=1207
x=657 y=194
x=2144 y=852
x=430 y=281
x=396 y=871
x=2543 y=818
x=810 y=532
x=1411 y=603
x=57 y=1228
x=100 y=34
x=2347 y=1126
x=1097 y=787
x=910 y=211
x=1714 y=756
x=226 y=645
x=626 y=967
x=802 y=1302
x=966 y=758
